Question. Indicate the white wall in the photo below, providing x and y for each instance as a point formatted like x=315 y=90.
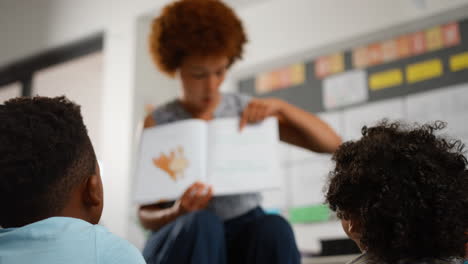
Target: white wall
x=118 y=112
x=28 y=27
x=277 y=29
x=282 y=28
x=81 y=81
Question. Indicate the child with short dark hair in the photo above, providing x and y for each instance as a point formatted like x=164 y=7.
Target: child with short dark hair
x=402 y=194
x=51 y=193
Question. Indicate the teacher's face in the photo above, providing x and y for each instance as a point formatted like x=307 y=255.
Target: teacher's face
x=201 y=78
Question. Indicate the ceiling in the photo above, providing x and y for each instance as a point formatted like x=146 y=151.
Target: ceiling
x=239 y=4
x=236 y=4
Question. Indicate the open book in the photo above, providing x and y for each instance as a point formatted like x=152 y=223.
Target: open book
x=173 y=156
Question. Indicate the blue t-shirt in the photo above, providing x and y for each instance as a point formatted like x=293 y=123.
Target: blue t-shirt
x=64 y=240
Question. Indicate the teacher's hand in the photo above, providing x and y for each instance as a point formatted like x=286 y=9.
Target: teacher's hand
x=259 y=109
x=196 y=197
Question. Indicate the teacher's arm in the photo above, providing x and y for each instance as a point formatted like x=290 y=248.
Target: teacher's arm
x=296 y=126
x=196 y=197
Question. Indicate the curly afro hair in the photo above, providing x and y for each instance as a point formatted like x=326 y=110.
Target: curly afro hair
x=45 y=152
x=195 y=27
x=408 y=188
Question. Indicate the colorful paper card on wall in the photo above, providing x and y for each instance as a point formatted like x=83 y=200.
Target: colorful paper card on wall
x=336 y=63
x=262 y=83
x=403 y=44
x=344 y=89
x=327 y=65
x=284 y=77
x=413 y=44
x=418 y=43
x=434 y=39
x=424 y=70
x=309 y=214
x=374 y=55
x=385 y=79
x=451 y=34
x=459 y=62
x=322 y=67
x=360 y=57
x=389 y=50
x=280 y=79
x=298 y=74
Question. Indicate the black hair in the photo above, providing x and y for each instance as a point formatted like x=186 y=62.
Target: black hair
x=45 y=152
x=408 y=188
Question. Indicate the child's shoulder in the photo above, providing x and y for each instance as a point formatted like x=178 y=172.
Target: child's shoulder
x=114 y=249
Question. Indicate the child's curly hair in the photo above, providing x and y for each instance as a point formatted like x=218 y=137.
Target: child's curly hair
x=195 y=27
x=407 y=187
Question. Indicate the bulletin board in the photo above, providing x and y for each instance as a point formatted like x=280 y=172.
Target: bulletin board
x=419 y=61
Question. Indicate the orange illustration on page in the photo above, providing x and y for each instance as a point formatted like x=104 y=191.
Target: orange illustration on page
x=174 y=165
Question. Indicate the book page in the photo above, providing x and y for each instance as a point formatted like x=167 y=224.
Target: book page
x=171 y=158
x=246 y=161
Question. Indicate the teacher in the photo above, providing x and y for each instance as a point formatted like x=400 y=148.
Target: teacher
x=197 y=41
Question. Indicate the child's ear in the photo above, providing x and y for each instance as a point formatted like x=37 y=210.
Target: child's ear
x=354 y=227
x=350 y=227
x=93 y=194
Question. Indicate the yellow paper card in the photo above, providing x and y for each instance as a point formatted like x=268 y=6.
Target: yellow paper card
x=298 y=73
x=434 y=40
x=424 y=70
x=385 y=79
x=459 y=62
x=337 y=63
